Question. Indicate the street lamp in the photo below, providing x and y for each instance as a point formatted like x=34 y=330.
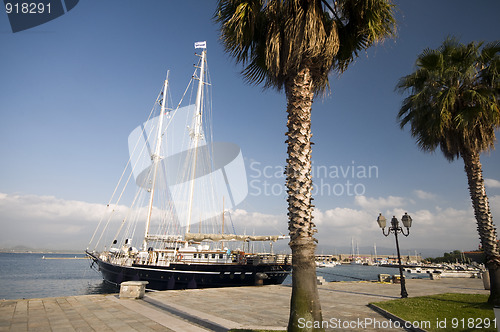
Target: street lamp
x=395 y=228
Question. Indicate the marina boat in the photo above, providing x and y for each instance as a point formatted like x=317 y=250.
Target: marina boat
x=177 y=233
x=447 y=270
x=326 y=264
x=456 y=271
x=457 y=274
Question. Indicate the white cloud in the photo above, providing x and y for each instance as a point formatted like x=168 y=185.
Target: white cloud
x=495 y=208
x=47 y=221
x=377 y=204
x=259 y=223
x=443 y=229
x=492 y=183
x=424 y=195
x=53 y=223
x=341 y=217
x=47 y=207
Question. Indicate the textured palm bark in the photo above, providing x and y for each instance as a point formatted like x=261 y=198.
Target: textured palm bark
x=304 y=303
x=485 y=226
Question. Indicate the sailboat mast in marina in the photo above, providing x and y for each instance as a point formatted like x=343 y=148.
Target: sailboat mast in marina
x=355 y=259
x=183 y=178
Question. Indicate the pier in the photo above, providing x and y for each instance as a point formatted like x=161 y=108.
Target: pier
x=216 y=309
x=43 y=257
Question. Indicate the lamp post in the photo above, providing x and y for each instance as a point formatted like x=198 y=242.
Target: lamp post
x=395 y=228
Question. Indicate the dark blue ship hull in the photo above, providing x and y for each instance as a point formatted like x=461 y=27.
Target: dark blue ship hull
x=188 y=276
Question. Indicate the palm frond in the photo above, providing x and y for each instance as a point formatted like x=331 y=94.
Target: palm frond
x=293 y=34
x=453 y=98
x=362 y=23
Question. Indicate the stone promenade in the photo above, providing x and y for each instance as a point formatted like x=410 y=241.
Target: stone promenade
x=218 y=309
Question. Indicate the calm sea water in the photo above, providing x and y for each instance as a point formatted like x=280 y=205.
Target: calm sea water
x=30 y=276
x=347 y=272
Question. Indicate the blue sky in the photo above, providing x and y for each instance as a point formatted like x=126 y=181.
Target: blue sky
x=71 y=91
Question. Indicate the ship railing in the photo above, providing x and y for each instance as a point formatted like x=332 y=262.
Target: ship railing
x=258 y=259
x=120 y=260
x=202 y=258
x=217 y=258
x=116 y=257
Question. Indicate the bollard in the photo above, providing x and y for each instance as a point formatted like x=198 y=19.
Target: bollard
x=435 y=276
x=259 y=278
x=133 y=289
x=486 y=279
x=382 y=277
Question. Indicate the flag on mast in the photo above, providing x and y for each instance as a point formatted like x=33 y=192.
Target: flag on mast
x=202 y=44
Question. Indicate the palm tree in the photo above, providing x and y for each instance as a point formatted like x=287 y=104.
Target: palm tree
x=453 y=104
x=294 y=45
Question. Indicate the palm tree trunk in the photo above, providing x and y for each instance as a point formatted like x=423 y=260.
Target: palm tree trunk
x=485 y=226
x=305 y=308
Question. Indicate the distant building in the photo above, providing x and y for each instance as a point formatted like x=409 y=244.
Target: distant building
x=475 y=256
x=369 y=259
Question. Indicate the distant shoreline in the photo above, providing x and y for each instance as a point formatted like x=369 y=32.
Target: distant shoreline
x=39 y=251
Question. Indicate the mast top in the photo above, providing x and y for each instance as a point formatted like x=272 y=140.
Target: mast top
x=201 y=44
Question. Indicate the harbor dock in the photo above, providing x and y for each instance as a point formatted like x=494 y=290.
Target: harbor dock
x=76 y=257
x=216 y=309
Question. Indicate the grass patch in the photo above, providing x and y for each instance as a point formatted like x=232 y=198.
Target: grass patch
x=445 y=312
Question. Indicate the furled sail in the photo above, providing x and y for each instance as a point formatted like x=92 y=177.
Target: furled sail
x=198 y=237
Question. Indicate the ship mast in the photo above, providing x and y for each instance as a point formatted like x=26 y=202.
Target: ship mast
x=197 y=132
x=155 y=157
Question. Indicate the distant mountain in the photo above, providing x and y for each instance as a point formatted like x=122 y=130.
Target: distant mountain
x=17 y=249
x=26 y=249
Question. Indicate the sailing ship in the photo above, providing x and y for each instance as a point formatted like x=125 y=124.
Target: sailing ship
x=187 y=182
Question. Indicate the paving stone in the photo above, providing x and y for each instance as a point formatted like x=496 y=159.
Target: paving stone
x=212 y=309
